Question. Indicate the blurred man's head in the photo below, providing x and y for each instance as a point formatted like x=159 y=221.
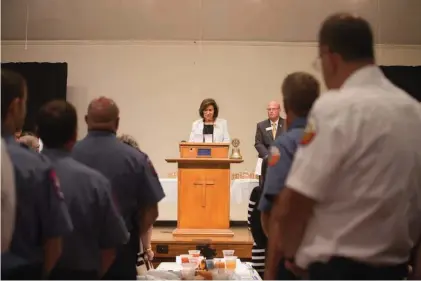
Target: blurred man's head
x=273 y=109
x=13 y=101
x=103 y=115
x=345 y=45
x=299 y=90
x=30 y=141
x=57 y=125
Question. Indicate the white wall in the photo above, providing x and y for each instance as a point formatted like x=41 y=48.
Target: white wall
x=159 y=85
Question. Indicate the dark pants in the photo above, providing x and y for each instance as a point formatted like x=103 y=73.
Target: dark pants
x=340 y=268
x=23 y=272
x=68 y=274
x=124 y=266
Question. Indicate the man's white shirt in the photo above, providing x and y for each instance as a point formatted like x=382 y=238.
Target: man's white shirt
x=8 y=198
x=363 y=168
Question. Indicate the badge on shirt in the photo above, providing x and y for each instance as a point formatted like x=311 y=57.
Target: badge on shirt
x=274 y=156
x=56 y=184
x=309 y=132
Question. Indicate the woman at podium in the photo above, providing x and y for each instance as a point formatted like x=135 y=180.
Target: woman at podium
x=209 y=128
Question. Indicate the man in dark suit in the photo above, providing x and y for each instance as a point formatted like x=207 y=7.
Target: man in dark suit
x=268 y=130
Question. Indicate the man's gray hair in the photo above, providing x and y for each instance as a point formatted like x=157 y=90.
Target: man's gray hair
x=30 y=141
x=127 y=139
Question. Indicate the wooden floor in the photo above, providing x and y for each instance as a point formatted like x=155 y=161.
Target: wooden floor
x=167 y=247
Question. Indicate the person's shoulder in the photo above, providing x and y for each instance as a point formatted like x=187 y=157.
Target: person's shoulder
x=255 y=193
x=86 y=176
x=79 y=144
x=132 y=153
x=333 y=104
x=294 y=134
x=30 y=165
x=24 y=155
x=262 y=123
x=284 y=139
x=221 y=121
x=198 y=121
x=92 y=176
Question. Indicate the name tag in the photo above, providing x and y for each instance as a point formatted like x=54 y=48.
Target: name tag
x=269 y=129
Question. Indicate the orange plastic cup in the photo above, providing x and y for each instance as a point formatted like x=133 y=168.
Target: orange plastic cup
x=231 y=262
x=185 y=258
x=219 y=263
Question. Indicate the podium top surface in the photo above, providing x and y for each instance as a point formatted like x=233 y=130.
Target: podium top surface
x=203 y=160
x=204 y=144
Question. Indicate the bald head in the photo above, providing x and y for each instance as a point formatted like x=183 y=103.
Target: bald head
x=273 y=110
x=103 y=114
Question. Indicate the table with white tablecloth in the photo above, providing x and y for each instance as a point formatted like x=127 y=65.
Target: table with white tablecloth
x=240 y=194
x=244 y=270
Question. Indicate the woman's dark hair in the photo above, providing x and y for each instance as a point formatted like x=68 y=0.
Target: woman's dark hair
x=205 y=103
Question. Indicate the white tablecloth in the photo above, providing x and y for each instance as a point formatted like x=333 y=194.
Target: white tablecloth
x=243 y=270
x=240 y=194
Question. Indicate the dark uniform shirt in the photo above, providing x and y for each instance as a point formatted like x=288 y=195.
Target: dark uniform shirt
x=41 y=212
x=135 y=185
x=134 y=181
x=286 y=145
x=97 y=224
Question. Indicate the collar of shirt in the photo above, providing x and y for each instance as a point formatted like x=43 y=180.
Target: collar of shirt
x=299 y=122
x=276 y=123
x=97 y=133
x=55 y=153
x=366 y=75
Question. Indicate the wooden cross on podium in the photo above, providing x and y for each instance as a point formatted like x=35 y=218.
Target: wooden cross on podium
x=203 y=184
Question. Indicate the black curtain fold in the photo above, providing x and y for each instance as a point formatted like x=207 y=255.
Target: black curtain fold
x=45 y=81
x=408 y=78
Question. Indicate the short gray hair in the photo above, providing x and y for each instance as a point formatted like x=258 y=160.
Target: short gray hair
x=30 y=141
x=127 y=139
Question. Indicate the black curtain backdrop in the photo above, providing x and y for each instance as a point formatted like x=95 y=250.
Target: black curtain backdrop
x=45 y=81
x=408 y=78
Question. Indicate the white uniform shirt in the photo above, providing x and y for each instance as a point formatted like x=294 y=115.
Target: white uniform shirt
x=363 y=168
x=8 y=198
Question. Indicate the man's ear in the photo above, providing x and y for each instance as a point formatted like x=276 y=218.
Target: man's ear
x=15 y=105
x=117 y=123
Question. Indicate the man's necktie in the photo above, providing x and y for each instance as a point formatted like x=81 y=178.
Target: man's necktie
x=274 y=130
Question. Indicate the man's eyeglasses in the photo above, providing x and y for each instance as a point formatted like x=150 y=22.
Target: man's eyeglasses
x=272 y=109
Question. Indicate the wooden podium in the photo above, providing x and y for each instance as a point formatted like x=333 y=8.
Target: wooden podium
x=204 y=181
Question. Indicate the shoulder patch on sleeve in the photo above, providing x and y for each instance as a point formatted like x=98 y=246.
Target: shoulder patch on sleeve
x=309 y=132
x=56 y=184
x=274 y=155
